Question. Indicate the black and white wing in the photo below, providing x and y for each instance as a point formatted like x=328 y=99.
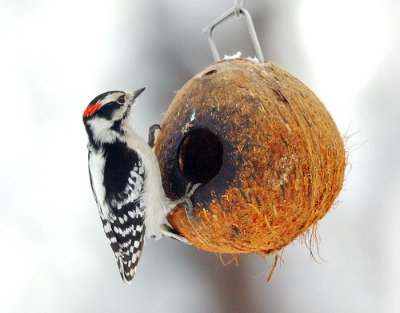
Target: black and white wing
x=124 y=175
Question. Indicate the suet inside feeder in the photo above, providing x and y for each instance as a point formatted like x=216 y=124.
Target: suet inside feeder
x=268 y=154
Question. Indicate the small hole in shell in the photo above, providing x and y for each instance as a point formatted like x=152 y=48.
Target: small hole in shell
x=210 y=73
x=200 y=156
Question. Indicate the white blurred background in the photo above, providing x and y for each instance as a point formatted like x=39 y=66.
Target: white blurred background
x=55 y=56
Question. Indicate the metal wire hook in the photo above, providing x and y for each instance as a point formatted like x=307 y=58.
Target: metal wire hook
x=237 y=10
x=238 y=5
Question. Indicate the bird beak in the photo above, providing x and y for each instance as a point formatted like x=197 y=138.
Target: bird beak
x=138 y=92
x=132 y=100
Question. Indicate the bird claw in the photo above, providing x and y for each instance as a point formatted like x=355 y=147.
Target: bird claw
x=187 y=201
x=152 y=136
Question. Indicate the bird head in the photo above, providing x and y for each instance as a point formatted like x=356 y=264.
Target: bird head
x=104 y=115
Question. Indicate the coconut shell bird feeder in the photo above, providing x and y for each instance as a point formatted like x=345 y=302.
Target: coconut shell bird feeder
x=265 y=149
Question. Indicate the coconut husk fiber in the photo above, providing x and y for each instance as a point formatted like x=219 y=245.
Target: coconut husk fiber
x=267 y=152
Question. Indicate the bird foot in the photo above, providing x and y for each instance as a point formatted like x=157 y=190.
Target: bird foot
x=152 y=136
x=187 y=201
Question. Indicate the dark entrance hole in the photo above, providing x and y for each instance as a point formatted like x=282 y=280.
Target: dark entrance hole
x=200 y=156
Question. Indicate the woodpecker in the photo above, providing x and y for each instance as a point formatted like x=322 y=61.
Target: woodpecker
x=125 y=179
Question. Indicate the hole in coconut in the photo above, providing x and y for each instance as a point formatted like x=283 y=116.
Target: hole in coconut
x=210 y=73
x=200 y=156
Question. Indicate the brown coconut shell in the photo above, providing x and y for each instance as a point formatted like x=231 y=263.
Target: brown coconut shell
x=267 y=151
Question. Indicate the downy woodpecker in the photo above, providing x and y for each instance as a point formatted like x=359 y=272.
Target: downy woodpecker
x=125 y=179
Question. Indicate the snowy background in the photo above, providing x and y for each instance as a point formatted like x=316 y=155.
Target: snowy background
x=56 y=56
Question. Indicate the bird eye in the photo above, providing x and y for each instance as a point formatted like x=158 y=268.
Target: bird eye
x=121 y=100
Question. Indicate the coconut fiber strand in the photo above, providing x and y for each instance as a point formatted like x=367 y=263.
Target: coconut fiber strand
x=266 y=150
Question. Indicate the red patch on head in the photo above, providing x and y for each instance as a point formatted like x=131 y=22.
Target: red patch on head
x=91 y=109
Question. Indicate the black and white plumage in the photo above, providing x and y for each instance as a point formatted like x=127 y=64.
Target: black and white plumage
x=125 y=179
